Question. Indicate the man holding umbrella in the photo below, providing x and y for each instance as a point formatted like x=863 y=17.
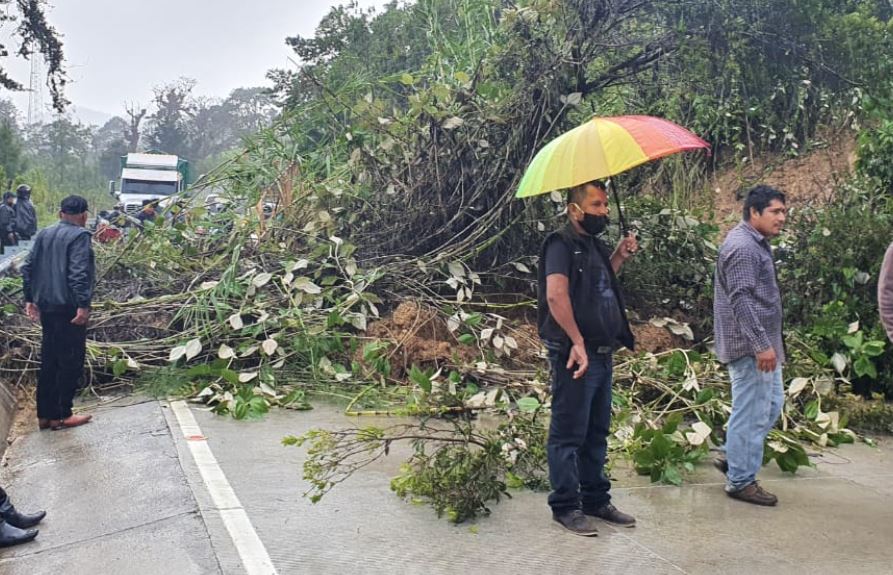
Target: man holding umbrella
x=582 y=321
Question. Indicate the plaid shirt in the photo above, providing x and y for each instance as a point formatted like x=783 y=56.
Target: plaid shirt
x=747 y=314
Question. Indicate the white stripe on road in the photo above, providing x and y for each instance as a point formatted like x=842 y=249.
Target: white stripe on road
x=251 y=549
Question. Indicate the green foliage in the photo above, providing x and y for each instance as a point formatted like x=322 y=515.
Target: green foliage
x=663 y=453
x=787 y=453
x=674 y=268
x=875 y=153
x=830 y=283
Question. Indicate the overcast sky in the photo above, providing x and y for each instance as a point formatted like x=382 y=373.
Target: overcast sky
x=117 y=50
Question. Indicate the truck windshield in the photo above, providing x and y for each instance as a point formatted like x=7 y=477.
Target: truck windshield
x=148 y=188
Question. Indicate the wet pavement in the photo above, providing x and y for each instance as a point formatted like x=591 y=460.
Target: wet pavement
x=125 y=495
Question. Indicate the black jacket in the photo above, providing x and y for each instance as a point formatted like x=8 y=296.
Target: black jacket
x=7 y=220
x=26 y=218
x=590 y=260
x=60 y=270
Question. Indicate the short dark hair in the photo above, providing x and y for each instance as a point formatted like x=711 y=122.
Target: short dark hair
x=759 y=198
x=578 y=192
x=73 y=205
x=7 y=195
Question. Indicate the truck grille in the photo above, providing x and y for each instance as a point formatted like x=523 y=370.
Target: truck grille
x=132 y=209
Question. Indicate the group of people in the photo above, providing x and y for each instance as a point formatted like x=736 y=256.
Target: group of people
x=18 y=219
x=57 y=279
x=582 y=322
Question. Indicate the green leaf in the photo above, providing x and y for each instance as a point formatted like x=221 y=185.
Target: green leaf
x=865 y=367
x=672 y=475
x=466 y=338
x=528 y=404
x=407 y=79
x=420 y=378
x=812 y=410
x=119 y=367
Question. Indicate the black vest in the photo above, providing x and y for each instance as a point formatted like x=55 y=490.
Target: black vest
x=601 y=318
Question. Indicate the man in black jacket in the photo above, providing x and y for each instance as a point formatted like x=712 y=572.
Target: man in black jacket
x=7 y=221
x=581 y=322
x=58 y=279
x=26 y=217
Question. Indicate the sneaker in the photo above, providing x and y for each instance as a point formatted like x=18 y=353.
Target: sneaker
x=755 y=494
x=722 y=464
x=577 y=523
x=613 y=515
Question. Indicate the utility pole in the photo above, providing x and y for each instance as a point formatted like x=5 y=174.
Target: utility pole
x=35 y=90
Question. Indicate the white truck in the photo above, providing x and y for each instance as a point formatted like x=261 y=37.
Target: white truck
x=149 y=176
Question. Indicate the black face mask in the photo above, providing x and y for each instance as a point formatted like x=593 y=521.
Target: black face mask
x=594 y=225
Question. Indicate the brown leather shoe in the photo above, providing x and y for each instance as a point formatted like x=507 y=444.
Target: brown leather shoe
x=72 y=421
x=755 y=494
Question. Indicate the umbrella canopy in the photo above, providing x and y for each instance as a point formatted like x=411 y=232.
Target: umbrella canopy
x=601 y=148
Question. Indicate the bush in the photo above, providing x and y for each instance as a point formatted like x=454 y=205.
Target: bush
x=673 y=271
x=830 y=259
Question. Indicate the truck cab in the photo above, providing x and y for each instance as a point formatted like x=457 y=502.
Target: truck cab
x=149 y=176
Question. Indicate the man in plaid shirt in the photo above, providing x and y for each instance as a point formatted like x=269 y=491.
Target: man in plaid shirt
x=748 y=329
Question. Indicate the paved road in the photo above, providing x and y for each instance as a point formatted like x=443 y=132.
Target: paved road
x=126 y=495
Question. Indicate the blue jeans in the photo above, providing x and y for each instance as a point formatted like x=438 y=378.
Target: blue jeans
x=757 y=399
x=578 y=433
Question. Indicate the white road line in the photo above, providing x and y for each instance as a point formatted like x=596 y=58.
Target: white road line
x=251 y=549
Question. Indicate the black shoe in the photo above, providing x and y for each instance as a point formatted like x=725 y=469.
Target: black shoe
x=613 y=515
x=722 y=464
x=577 y=523
x=9 y=514
x=10 y=535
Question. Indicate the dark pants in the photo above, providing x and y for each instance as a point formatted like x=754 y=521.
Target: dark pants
x=62 y=353
x=578 y=434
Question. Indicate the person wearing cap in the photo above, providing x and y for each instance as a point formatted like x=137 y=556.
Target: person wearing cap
x=26 y=217
x=7 y=221
x=57 y=280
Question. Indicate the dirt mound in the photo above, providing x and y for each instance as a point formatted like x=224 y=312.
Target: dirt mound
x=655 y=339
x=807 y=179
x=418 y=335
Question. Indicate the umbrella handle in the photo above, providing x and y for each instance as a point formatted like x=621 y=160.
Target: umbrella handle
x=621 y=221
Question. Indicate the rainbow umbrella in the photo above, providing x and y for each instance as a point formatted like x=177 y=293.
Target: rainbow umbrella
x=601 y=148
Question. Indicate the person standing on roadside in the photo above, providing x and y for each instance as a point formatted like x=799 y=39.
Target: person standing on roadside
x=885 y=292
x=748 y=330
x=58 y=278
x=7 y=221
x=582 y=322
x=26 y=217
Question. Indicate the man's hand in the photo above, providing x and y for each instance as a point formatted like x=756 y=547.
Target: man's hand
x=32 y=311
x=628 y=246
x=82 y=317
x=578 y=356
x=766 y=360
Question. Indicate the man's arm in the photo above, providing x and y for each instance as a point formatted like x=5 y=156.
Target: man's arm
x=558 y=298
x=885 y=292
x=80 y=279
